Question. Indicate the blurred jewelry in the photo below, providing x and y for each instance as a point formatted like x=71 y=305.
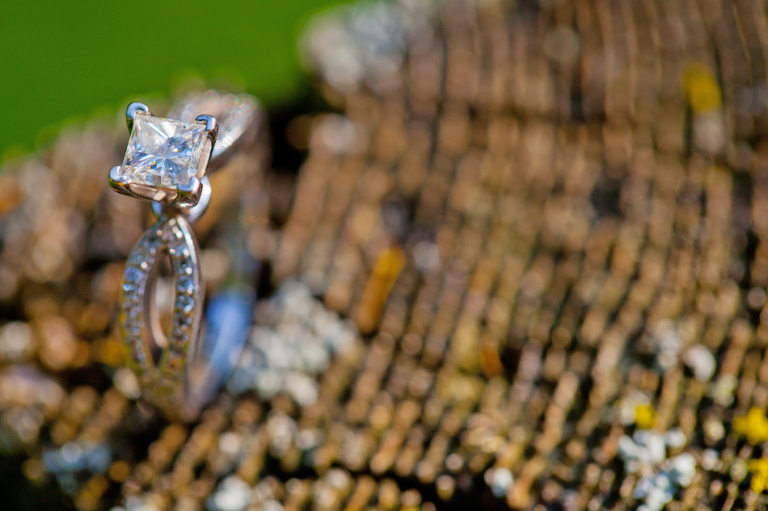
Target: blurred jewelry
x=237 y=116
x=166 y=163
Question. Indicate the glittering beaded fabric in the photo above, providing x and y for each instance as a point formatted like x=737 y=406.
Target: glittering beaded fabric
x=523 y=265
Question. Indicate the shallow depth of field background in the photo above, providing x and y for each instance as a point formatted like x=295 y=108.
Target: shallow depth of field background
x=62 y=62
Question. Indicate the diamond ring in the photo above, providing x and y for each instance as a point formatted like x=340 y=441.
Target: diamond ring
x=166 y=159
x=166 y=163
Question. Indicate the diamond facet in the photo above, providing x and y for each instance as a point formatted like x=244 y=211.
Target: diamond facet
x=164 y=154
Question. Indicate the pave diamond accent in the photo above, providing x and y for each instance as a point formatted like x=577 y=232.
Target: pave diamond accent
x=138 y=332
x=164 y=154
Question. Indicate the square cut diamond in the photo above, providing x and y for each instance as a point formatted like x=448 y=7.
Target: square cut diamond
x=163 y=154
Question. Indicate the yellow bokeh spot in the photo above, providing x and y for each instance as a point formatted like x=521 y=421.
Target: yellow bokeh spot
x=389 y=264
x=645 y=416
x=759 y=471
x=753 y=425
x=701 y=88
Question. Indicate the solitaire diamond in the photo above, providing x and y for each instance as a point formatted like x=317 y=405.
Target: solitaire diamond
x=164 y=154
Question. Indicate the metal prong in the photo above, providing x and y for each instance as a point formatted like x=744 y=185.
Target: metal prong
x=130 y=113
x=117 y=182
x=189 y=193
x=211 y=126
x=193 y=213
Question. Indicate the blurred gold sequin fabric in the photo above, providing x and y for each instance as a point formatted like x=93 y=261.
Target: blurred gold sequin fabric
x=524 y=266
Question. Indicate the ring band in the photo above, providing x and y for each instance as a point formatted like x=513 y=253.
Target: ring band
x=160 y=362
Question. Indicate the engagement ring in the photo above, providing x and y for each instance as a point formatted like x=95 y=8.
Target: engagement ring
x=166 y=163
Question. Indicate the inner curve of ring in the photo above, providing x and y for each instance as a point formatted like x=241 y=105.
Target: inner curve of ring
x=155 y=334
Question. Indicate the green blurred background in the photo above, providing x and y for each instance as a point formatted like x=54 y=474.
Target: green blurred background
x=64 y=62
